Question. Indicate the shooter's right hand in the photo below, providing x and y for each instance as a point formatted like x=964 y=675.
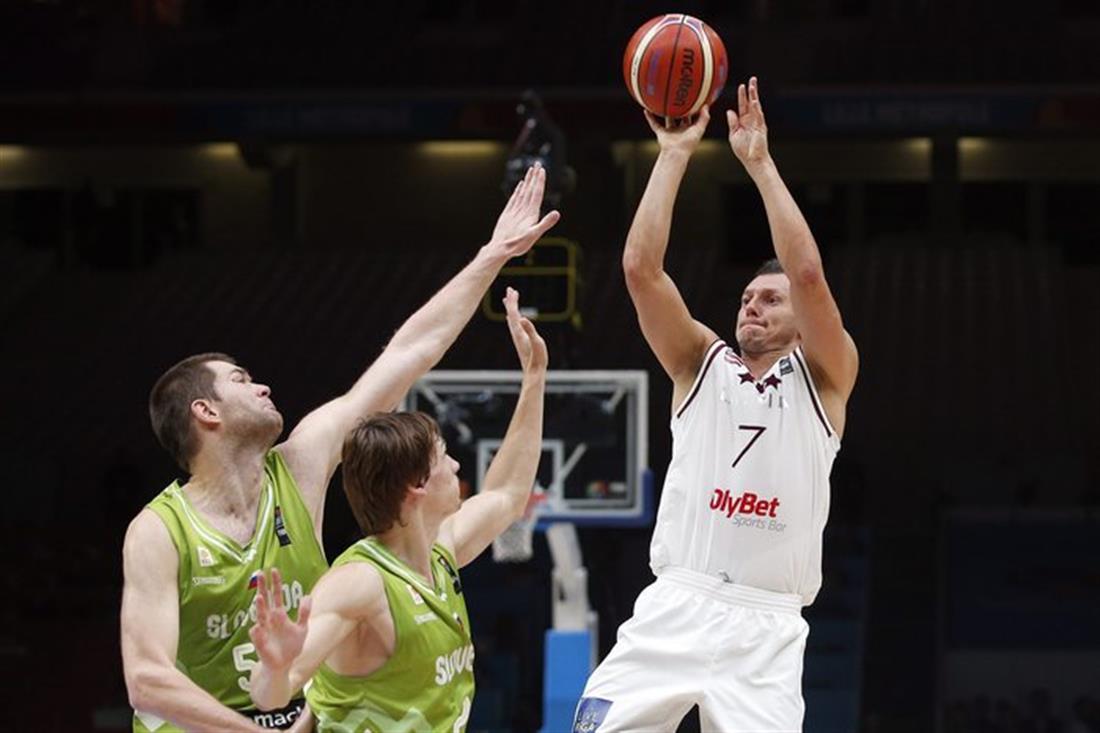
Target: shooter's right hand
x=679 y=135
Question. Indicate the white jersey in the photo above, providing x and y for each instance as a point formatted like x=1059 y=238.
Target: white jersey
x=747 y=491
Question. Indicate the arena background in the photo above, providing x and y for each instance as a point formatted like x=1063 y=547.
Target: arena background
x=287 y=181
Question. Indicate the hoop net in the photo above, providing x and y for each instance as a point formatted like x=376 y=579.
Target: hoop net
x=515 y=544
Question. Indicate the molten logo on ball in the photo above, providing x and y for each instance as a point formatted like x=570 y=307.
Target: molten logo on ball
x=687 y=77
x=674 y=64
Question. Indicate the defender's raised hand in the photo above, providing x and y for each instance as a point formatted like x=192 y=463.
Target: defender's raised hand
x=278 y=640
x=529 y=344
x=519 y=226
x=748 y=132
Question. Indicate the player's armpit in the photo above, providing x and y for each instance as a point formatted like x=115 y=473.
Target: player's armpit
x=829 y=348
x=312 y=451
x=834 y=400
x=678 y=340
x=479 y=521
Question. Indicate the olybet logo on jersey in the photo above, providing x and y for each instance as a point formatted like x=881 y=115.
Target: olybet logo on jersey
x=747 y=509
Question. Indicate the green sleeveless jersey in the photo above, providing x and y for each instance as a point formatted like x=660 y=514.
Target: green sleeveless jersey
x=428 y=683
x=217 y=588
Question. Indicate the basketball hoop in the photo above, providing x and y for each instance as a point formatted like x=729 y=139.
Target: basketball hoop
x=515 y=544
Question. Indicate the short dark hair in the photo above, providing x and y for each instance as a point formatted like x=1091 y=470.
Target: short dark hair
x=170 y=404
x=382 y=456
x=770 y=267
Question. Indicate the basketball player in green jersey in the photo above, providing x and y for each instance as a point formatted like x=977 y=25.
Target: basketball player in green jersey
x=190 y=556
x=387 y=644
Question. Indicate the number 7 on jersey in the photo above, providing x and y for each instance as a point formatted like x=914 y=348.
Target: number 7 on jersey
x=757 y=431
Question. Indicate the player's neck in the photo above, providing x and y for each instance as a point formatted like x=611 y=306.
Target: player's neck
x=413 y=543
x=760 y=362
x=227 y=480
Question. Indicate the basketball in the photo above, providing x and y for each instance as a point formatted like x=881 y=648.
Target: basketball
x=674 y=64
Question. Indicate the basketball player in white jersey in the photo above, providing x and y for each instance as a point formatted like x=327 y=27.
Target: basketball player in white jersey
x=737 y=543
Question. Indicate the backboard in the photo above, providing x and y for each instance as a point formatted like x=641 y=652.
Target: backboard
x=593 y=470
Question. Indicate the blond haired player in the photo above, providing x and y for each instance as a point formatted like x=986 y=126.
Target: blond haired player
x=388 y=647
x=737 y=543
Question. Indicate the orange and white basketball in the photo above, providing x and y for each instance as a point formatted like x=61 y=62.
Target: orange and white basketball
x=674 y=64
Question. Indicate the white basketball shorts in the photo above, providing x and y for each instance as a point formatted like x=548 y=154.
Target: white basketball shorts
x=734 y=651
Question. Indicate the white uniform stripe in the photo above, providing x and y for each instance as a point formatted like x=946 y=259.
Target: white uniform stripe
x=639 y=52
x=201 y=531
x=712 y=353
x=196 y=524
x=396 y=567
x=265 y=517
x=708 y=64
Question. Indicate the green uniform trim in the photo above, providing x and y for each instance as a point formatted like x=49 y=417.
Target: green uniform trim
x=427 y=685
x=216 y=596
